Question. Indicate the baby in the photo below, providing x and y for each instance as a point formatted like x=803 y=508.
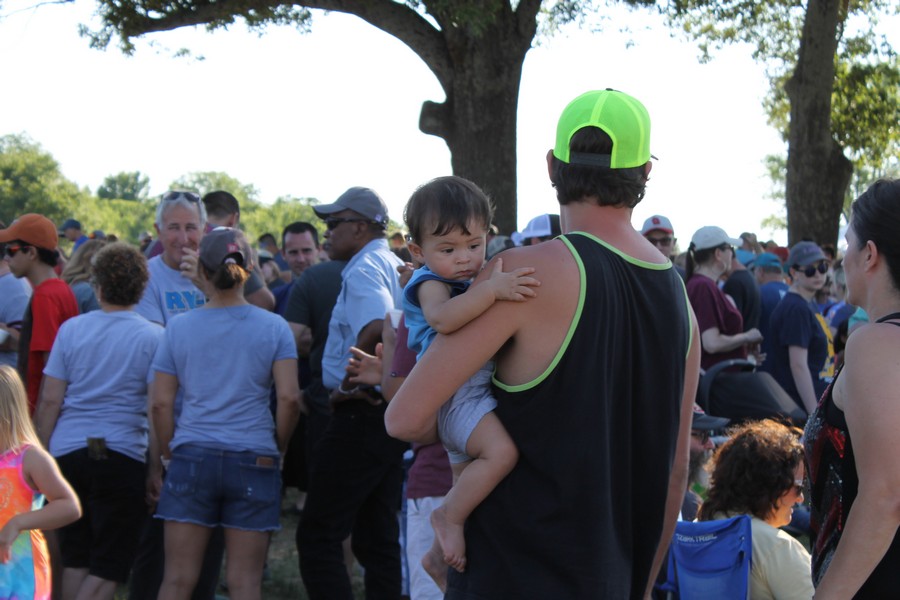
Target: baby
x=448 y=220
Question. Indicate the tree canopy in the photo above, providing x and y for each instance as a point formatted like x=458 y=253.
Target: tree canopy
x=474 y=48
x=125 y=186
x=835 y=93
x=30 y=181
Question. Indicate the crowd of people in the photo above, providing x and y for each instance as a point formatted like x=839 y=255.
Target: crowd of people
x=157 y=399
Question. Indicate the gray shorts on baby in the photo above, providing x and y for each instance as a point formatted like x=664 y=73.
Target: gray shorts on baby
x=459 y=415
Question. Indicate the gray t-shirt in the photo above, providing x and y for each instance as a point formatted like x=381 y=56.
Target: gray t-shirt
x=223 y=360
x=104 y=358
x=168 y=293
x=13 y=301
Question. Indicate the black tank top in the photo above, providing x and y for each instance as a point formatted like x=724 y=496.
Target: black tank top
x=834 y=484
x=582 y=513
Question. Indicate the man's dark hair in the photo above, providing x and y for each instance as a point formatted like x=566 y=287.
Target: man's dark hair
x=221 y=204
x=267 y=238
x=445 y=204
x=48 y=257
x=611 y=187
x=301 y=227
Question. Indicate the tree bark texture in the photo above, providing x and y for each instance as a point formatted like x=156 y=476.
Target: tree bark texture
x=818 y=173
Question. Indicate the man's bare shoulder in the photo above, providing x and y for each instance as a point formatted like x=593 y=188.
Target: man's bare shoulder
x=544 y=258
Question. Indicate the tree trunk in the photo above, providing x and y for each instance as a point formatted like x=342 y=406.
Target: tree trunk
x=478 y=119
x=818 y=173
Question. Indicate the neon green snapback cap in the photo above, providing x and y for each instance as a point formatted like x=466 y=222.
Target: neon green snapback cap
x=622 y=117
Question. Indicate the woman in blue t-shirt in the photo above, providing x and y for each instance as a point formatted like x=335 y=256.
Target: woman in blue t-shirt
x=222 y=444
x=802 y=359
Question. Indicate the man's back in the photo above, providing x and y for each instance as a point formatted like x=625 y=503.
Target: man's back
x=582 y=524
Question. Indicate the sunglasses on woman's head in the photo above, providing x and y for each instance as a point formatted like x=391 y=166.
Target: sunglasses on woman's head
x=810 y=270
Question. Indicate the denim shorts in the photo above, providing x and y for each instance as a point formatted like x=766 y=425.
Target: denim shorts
x=209 y=487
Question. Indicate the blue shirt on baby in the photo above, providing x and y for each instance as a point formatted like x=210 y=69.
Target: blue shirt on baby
x=420 y=332
x=223 y=360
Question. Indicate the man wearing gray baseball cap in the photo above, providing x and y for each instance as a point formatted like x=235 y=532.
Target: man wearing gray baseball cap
x=355 y=481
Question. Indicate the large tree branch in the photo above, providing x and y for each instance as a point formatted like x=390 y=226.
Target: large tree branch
x=393 y=18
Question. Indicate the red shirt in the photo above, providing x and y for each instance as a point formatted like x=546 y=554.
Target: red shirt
x=52 y=303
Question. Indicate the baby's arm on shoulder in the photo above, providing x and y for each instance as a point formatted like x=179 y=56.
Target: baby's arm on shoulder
x=445 y=314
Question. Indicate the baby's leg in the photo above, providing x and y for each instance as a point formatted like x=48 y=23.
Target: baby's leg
x=493 y=456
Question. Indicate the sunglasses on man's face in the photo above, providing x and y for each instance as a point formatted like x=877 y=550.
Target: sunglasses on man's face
x=12 y=250
x=332 y=222
x=176 y=196
x=810 y=270
x=661 y=241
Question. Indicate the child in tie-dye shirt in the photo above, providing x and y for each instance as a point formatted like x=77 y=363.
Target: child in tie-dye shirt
x=27 y=475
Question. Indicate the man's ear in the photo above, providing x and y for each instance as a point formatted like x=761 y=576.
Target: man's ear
x=156 y=227
x=550 y=163
x=416 y=251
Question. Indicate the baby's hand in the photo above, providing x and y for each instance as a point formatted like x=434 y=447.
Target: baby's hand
x=514 y=285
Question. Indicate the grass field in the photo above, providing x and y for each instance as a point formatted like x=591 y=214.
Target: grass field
x=283 y=578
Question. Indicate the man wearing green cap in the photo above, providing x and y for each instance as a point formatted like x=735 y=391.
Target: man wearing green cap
x=595 y=382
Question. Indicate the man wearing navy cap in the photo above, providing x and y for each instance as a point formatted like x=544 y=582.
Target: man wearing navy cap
x=71 y=230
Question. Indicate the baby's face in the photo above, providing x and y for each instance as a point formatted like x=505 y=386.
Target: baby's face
x=456 y=255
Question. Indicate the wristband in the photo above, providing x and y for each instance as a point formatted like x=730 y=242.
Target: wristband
x=349 y=392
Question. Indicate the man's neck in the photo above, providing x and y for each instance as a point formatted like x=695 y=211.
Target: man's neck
x=40 y=273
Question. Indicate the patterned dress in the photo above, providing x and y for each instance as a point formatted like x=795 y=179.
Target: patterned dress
x=27 y=574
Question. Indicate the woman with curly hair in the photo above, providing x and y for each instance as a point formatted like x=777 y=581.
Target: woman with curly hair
x=92 y=417
x=759 y=472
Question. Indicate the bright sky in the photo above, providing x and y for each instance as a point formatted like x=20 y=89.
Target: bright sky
x=311 y=115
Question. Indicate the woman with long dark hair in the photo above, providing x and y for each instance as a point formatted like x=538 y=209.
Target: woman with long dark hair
x=851 y=438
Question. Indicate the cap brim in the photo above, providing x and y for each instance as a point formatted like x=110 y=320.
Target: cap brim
x=708 y=422
x=734 y=242
x=328 y=209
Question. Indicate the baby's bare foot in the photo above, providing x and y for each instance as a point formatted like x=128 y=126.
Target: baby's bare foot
x=434 y=565
x=450 y=537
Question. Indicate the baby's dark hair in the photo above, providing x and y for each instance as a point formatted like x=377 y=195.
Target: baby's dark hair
x=445 y=204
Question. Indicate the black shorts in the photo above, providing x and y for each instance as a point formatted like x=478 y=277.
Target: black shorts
x=111 y=490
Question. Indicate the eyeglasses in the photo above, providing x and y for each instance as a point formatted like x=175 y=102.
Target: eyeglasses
x=798 y=484
x=175 y=196
x=702 y=436
x=810 y=270
x=332 y=222
x=662 y=241
x=12 y=250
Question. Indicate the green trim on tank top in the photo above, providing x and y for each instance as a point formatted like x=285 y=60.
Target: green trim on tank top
x=572 y=326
